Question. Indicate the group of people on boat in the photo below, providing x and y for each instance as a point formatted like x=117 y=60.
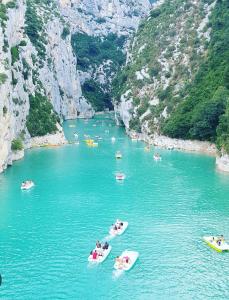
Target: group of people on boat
x=118 y=225
x=99 y=250
x=219 y=239
x=122 y=261
x=27 y=184
x=157 y=156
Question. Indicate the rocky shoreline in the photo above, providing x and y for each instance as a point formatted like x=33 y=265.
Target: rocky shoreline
x=222 y=160
x=49 y=140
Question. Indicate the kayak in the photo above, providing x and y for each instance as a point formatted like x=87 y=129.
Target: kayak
x=131 y=256
x=102 y=257
x=119 y=231
x=212 y=242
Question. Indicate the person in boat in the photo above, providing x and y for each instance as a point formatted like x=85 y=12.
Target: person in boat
x=222 y=238
x=120 y=225
x=118 y=260
x=98 y=244
x=105 y=246
x=94 y=255
x=126 y=259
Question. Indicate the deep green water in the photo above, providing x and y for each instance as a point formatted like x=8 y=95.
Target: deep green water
x=47 y=232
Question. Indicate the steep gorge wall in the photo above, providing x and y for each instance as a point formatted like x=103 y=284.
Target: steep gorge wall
x=24 y=71
x=175 y=82
x=105 y=29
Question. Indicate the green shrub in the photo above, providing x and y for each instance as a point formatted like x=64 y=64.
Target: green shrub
x=204 y=114
x=11 y=4
x=14 y=54
x=22 y=43
x=65 y=33
x=3 y=78
x=4 y=110
x=99 y=99
x=41 y=119
x=34 y=28
x=17 y=144
x=92 y=50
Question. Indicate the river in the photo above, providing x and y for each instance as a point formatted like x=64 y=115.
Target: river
x=48 y=232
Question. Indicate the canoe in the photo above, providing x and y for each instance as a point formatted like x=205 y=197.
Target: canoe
x=212 y=242
x=132 y=255
x=119 y=231
x=100 y=259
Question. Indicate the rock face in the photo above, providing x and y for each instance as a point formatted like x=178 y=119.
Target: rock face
x=36 y=56
x=222 y=162
x=45 y=64
x=100 y=17
x=171 y=63
x=164 y=56
x=102 y=20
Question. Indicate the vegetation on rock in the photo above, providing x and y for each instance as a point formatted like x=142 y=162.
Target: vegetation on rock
x=41 y=119
x=203 y=115
x=17 y=144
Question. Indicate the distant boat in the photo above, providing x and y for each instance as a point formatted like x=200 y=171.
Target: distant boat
x=120 y=176
x=118 y=228
x=126 y=260
x=217 y=243
x=113 y=139
x=157 y=157
x=72 y=125
x=101 y=255
x=26 y=185
x=118 y=155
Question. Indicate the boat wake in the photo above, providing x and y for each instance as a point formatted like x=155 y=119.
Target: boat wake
x=108 y=238
x=92 y=265
x=117 y=273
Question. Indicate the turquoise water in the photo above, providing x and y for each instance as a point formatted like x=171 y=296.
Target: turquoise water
x=47 y=232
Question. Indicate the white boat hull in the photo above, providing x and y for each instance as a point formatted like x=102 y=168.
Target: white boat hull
x=100 y=259
x=212 y=242
x=27 y=187
x=132 y=255
x=119 y=231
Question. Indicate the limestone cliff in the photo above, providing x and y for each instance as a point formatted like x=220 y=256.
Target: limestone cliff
x=35 y=57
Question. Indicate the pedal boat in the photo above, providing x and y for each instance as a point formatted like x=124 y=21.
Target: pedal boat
x=213 y=242
x=118 y=231
x=26 y=185
x=100 y=258
x=132 y=256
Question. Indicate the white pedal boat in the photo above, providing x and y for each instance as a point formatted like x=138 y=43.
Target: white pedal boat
x=118 y=155
x=120 y=176
x=26 y=185
x=113 y=139
x=216 y=243
x=102 y=257
x=120 y=231
x=131 y=256
x=156 y=157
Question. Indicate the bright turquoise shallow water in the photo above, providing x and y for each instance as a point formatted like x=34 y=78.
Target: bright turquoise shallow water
x=47 y=233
